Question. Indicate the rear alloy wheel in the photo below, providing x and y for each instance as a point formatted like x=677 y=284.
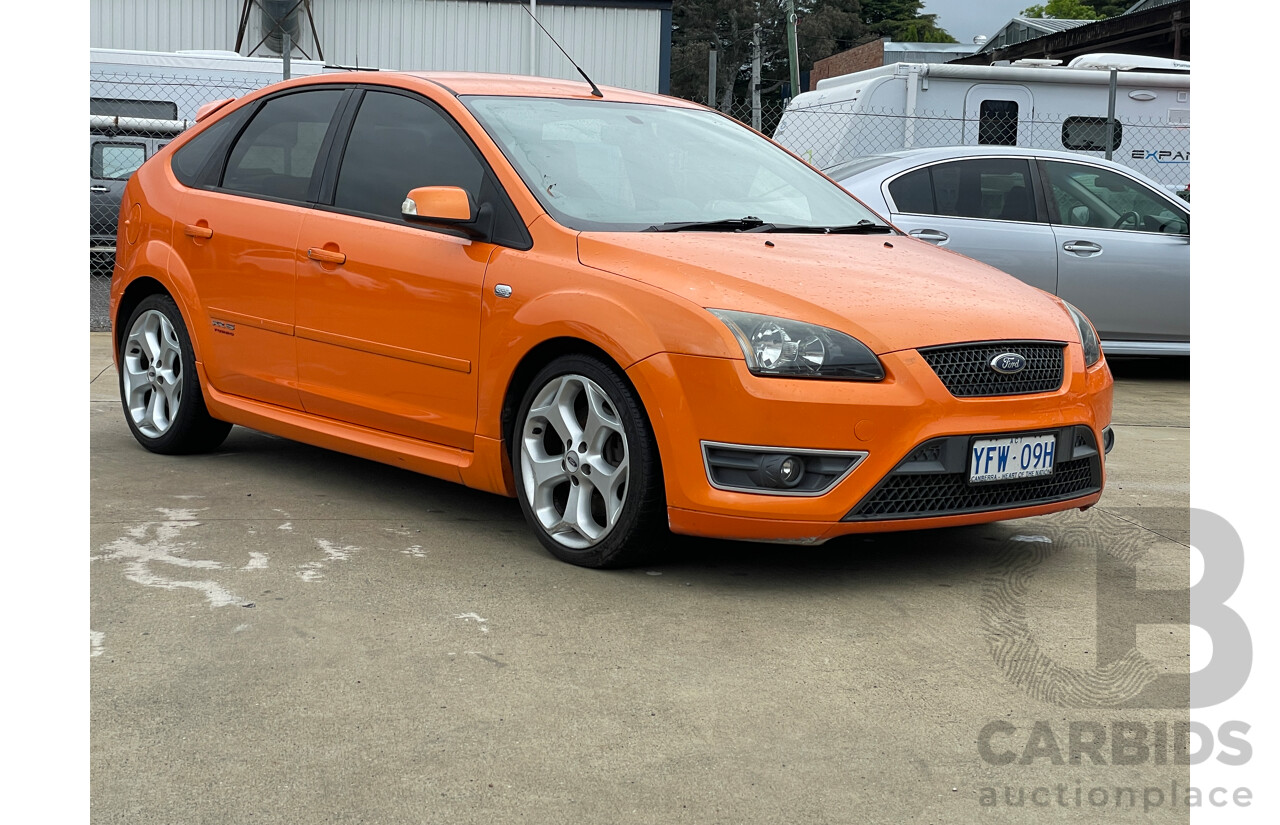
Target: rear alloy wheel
x=159 y=388
x=587 y=470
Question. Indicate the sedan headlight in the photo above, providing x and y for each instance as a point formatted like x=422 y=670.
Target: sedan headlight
x=794 y=349
x=1088 y=336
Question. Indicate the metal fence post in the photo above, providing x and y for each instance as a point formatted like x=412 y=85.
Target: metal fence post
x=286 y=49
x=1111 y=114
x=756 y=67
x=711 y=77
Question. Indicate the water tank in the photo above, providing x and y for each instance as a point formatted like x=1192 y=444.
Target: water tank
x=279 y=16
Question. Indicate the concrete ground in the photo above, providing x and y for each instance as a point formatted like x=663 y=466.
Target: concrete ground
x=281 y=634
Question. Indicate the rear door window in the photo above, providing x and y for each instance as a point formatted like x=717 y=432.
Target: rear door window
x=277 y=153
x=986 y=188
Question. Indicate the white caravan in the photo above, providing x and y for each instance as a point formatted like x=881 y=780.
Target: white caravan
x=1034 y=103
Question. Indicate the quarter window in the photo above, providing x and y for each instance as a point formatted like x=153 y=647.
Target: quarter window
x=277 y=153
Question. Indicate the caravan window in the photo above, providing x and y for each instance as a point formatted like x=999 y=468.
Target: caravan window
x=120 y=107
x=998 y=123
x=1089 y=134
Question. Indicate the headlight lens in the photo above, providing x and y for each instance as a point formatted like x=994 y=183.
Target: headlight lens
x=794 y=349
x=1088 y=336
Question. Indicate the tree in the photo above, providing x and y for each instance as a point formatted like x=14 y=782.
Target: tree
x=1062 y=10
x=902 y=20
x=823 y=28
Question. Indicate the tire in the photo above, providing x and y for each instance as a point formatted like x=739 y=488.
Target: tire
x=587 y=470
x=159 y=387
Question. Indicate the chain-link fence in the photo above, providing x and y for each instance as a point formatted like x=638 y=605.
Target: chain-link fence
x=133 y=115
x=832 y=134
x=130 y=117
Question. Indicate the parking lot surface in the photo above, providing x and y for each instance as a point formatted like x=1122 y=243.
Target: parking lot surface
x=281 y=634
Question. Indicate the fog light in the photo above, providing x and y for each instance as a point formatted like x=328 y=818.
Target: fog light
x=782 y=471
x=1108 y=440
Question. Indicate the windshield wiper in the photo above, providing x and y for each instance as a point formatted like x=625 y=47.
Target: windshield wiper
x=862 y=227
x=748 y=224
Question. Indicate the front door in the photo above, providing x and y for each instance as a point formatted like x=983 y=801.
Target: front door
x=388 y=311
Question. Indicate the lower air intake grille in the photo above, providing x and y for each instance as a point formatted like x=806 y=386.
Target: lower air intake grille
x=934 y=481
x=966 y=370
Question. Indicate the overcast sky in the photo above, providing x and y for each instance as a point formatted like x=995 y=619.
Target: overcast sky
x=964 y=19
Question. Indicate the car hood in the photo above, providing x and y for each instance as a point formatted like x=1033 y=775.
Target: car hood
x=889 y=291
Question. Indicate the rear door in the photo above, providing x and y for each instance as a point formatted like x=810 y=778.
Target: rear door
x=236 y=237
x=112 y=161
x=988 y=208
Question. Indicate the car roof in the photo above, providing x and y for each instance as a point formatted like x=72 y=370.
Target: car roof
x=903 y=159
x=480 y=83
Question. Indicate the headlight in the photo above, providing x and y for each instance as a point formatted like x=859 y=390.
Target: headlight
x=793 y=349
x=1088 y=336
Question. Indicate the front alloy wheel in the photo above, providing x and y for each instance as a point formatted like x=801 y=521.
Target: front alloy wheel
x=587 y=470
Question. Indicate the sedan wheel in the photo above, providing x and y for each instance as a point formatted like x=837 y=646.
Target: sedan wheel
x=587 y=471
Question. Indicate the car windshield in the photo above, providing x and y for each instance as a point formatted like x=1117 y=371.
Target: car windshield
x=607 y=165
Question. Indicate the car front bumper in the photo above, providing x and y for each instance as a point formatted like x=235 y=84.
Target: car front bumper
x=895 y=487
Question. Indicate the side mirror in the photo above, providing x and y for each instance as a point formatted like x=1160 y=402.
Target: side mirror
x=439 y=204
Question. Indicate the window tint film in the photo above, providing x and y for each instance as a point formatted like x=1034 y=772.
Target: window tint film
x=115 y=161
x=988 y=188
x=913 y=192
x=1090 y=134
x=192 y=164
x=998 y=123
x=397 y=144
x=1090 y=196
x=276 y=154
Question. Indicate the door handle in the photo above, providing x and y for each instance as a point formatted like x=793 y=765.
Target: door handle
x=1081 y=247
x=930 y=235
x=325 y=256
x=194 y=231
x=99 y=189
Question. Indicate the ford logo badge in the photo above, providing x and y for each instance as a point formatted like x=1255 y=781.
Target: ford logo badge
x=1007 y=363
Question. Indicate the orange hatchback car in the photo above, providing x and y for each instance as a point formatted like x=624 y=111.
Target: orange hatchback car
x=628 y=311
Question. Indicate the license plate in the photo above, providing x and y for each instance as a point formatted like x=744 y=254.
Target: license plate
x=1014 y=457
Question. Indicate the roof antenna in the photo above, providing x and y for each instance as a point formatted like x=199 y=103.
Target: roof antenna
x=595 y=90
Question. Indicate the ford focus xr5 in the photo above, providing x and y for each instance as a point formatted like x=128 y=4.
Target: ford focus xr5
x=627 y=311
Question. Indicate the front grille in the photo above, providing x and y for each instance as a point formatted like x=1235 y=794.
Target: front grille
x=965 y=369
x=933 y=480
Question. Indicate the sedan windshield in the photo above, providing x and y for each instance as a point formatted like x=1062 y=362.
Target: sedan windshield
x=606 y=165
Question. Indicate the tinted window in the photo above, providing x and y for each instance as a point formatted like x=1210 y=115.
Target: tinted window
x=1090 y=134
x=1090 y=196
x=276 y=155
x=115 y=161
x=913 y=192
x=191 y=164
x=998 y=123
x=397 y=144
x=987 y=188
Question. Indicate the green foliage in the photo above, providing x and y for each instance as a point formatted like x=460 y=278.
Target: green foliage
x=1063 y=10
x=823 y=28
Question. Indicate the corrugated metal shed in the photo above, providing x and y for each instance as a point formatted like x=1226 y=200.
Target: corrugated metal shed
x=909 y=52
x=618 y=43
x=1021 y=29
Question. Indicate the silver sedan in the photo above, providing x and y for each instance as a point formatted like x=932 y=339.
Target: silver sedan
x=1097 y=234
